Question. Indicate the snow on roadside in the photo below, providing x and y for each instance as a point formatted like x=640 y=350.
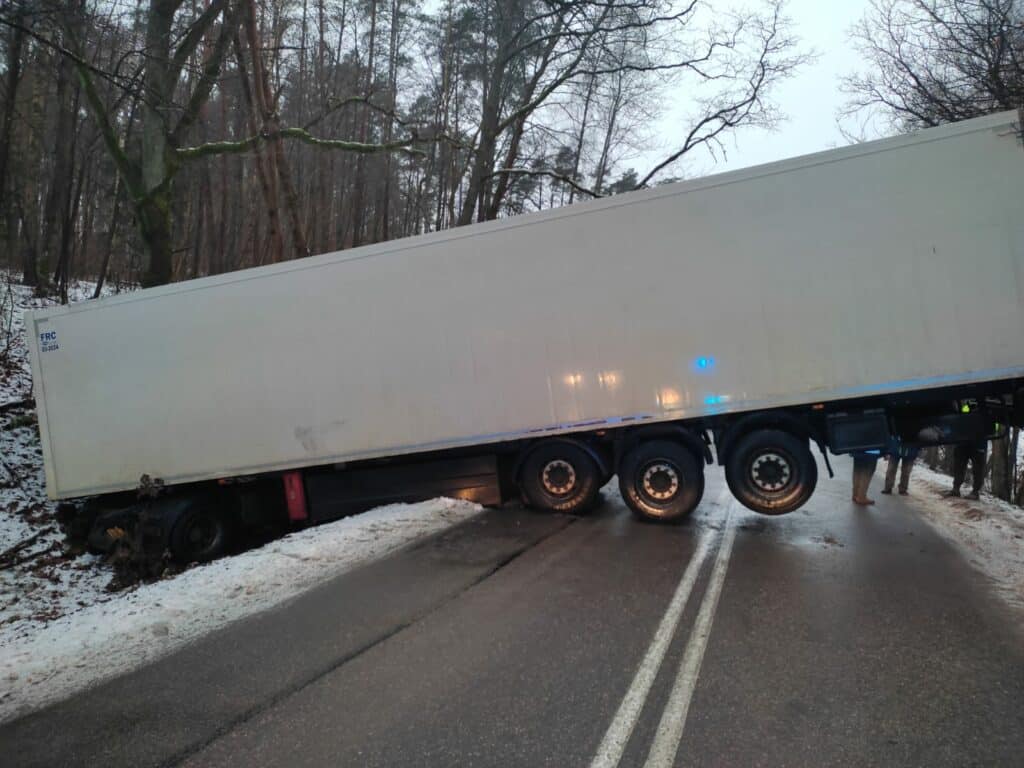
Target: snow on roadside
x=989 y=532
x=40 y=664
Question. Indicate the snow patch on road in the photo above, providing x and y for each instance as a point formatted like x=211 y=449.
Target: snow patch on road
x=40 y=664
x=989 y=532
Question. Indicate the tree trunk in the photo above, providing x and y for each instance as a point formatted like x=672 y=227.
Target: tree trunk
x=1002 y=478
x=609 y=133
x=384 y=208
x=58 y=196
x=582 y=134
x=155 y=226
x=483 y=161
x=154 y=213
x=13 y=80
x=1015 y=465
x=62 y=274
x=101 y=277
x=264 y=161
x=358 y=203
x=277 y=170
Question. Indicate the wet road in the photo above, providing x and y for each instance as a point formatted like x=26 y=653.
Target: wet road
x=832 y=636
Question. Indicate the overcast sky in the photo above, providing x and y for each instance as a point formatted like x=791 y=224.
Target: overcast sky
x=810 y=99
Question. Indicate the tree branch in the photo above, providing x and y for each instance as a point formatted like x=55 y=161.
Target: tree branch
x=300 y=134
x=125 y=167
x=120 y=82
x=211 y=71
x=549 y=174
x=194 y=36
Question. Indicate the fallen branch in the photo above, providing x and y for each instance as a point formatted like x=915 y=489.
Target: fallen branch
x=18 y=404
x=14 y=476
x=10 y=552
x=25 y=558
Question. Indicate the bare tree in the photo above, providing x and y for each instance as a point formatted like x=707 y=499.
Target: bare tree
x=740 y=59
x=727 y=63
x=938 y=61
x=236 y=132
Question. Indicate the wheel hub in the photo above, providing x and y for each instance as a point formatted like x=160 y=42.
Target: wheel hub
x=558 y=477
x=660 y=481
x=771 y=471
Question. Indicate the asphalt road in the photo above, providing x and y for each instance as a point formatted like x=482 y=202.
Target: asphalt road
x=832 y=636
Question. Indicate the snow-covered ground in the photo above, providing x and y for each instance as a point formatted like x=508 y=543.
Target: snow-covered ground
x=44 y=662
x=40 y=581
x=61 y=629
x=989 y=532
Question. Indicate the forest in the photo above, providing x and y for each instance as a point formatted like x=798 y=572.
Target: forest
x=163 y=140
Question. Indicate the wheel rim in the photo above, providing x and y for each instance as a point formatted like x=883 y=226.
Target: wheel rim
x=201 y=534
x=660 y=481
x=558 y=477
x=771 y=471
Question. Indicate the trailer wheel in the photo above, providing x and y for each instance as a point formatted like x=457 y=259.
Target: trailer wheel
x=559 y=476
x=199 y=535
x=771 y=471
x=661 y=481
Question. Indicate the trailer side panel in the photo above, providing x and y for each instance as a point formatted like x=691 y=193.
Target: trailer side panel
x=893 y=265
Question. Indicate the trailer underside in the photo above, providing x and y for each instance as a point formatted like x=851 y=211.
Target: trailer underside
x=767 y=457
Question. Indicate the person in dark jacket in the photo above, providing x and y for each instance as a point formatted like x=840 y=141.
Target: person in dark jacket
x=974 y=454
x=900 y=454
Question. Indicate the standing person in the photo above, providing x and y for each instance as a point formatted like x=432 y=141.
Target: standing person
x=975 y=454
x=864 y=464
x=900 y=454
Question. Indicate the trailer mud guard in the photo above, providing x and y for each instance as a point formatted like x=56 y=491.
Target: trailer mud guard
x=599 y=459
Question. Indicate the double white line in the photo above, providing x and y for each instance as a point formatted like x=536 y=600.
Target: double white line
x=673 y=719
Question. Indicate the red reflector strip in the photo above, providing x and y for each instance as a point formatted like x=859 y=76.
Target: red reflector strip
x=295 y=496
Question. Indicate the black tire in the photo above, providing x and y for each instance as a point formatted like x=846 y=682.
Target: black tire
x=559 y=476
x=199 y=535
x=771 y=471
x=661 y=481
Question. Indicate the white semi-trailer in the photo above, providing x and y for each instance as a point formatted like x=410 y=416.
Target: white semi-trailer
x=841 y=299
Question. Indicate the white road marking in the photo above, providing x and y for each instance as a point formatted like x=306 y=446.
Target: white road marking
x=617 y=736
x=673 y=719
